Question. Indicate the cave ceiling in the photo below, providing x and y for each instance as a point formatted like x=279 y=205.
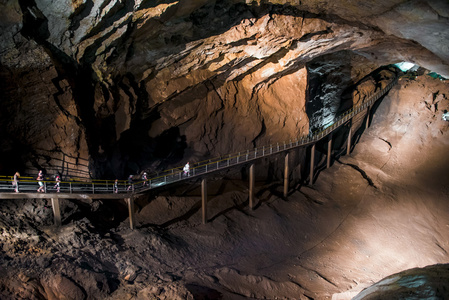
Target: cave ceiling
x=188 y=74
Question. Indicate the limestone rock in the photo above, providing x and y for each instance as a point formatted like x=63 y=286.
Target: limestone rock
x=109 y=88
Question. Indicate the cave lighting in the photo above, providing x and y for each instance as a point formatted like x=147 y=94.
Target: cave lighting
x=406 y=66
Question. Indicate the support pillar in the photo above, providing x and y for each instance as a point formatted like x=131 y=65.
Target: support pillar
x=367 y=118
x=130 y=202
x=204 y=200
x=348 y=148
x=329 y=150
x=56 y=211
x=286 y=176
x=251 y=186
x=312 y=162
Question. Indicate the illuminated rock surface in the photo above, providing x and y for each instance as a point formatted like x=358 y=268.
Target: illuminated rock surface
x=108 y=88
x=377 y=212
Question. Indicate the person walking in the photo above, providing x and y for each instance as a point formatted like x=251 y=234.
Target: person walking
x=116 y=186
x=57 y=185
x=187 y=169
x=130 y=182
x=144 y=179
x=15 y=182
x=40 y=178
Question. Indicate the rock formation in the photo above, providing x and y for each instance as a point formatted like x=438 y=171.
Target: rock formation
x=108 y=88
x=376 y=212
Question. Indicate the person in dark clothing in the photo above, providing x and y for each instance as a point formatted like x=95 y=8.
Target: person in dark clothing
x=144 y=179
x=130 y=182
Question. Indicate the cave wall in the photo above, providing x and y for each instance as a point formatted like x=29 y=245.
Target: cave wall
x=108 y=88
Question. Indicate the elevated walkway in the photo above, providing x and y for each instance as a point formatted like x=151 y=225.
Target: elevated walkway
x=104 y=189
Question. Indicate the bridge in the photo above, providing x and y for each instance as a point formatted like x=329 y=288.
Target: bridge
x=104 y=189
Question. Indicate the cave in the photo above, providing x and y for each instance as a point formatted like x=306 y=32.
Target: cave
x=94 y=90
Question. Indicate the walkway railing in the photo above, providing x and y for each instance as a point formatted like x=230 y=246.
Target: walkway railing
x=30 y=185
x=220 y=163
x=176 y=174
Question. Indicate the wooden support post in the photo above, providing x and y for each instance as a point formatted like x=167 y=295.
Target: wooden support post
x=204 y=200
x=329 y=150
x=56 y=211
x=130 y=202
x=312 y=162
x=286 y=176
x=348 y=149
x=251 y=186
x=367 y=118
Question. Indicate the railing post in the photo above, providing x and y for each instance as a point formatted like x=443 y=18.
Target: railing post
x=70 y=187
x=45 y=187
x=93 y=188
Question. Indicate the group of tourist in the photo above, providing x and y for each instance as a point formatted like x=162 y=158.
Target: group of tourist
x=130 y=182
x=40 y=181
x=57 y=186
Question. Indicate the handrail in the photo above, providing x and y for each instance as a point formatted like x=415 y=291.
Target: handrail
x=204 y=167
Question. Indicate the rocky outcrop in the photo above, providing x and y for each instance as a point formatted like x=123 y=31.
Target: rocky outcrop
x=427 y=282
x=108 y=88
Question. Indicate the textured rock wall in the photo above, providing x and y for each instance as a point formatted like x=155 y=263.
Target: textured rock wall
x=116 y=87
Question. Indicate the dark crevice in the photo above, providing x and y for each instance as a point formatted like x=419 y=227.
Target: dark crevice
x=363 y=173
x=389 y=144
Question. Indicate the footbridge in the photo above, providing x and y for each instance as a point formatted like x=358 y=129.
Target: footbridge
x=107 y=189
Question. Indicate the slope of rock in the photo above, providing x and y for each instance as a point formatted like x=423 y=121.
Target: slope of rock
x=377 y=212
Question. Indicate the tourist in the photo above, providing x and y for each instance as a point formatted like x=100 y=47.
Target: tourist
x=187 y=169
x=130 y=182
x=57 y=185
x=40 y=178
x=15 y=182
x=144 y=179
x=116 y=186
